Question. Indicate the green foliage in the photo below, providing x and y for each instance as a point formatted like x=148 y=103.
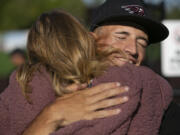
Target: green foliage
x=19 y=14
x=174 y=13
x=153 y=53
x=5 y=64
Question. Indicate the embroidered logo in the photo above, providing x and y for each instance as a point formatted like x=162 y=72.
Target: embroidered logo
x=134 y=9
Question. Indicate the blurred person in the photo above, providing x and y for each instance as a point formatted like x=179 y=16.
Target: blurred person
x=18 y=57
x=61 y=52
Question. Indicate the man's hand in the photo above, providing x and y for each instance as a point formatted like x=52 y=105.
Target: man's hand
x=81 y=105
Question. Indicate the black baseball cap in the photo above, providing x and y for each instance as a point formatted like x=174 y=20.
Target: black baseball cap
x=130 y=13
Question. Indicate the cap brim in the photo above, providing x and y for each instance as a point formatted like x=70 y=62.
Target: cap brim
x=156 y=31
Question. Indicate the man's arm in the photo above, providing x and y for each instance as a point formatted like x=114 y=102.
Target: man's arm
x=171 y=121
x=84 y=105
x=171 y=118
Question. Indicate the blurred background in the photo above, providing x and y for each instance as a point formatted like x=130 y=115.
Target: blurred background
x=18 y=15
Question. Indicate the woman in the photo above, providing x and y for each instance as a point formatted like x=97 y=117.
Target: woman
x=61 y=52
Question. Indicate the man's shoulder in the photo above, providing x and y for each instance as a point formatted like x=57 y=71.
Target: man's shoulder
x=146 y=71
x=171 y=121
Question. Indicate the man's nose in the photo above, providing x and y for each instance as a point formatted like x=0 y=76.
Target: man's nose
x=131 y=47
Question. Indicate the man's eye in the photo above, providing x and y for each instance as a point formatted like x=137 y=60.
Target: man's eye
x=144 y=45
x=121 y=37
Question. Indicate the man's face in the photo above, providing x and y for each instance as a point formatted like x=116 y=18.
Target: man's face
x=130 y=40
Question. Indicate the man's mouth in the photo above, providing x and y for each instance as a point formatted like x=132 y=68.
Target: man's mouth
x=131 y=61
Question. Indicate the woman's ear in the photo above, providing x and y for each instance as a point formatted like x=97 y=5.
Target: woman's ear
x=94 y=35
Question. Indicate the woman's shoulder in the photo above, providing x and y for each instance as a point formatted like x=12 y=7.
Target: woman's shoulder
x=41 y=78
x=11 y=87
x=40 y=83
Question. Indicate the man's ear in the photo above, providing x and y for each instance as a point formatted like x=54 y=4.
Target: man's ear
x=94 y=35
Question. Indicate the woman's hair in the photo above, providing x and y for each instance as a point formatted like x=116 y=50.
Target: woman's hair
x=58 y=42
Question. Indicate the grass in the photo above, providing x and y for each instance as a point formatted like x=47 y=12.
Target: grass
x=6 y=66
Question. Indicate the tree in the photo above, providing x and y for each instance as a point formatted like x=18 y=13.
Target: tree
x=19 y=14
x=174 y=13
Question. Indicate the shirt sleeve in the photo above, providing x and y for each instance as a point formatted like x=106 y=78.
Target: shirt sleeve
x=166 y=91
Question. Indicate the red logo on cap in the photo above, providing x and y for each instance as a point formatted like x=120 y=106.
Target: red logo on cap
x=134 y=9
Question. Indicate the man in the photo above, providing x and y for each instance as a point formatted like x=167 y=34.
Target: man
x=121 y=24
x=126 y=25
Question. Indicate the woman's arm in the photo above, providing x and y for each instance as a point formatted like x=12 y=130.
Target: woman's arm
x=80 y=105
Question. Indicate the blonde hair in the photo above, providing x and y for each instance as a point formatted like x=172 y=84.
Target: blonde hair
x=58 y=42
